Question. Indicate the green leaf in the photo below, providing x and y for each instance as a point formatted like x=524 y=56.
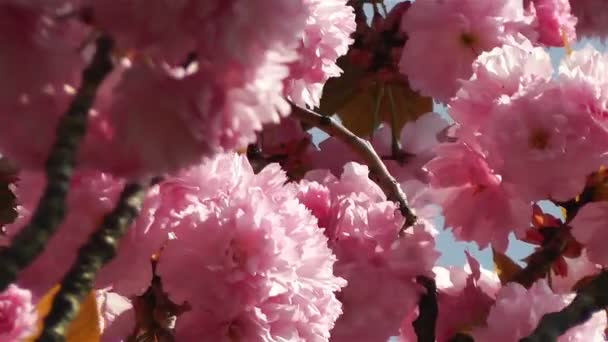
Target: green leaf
x=362 y=101
x=506 y=268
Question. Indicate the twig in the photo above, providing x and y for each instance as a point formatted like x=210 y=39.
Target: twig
x=424 y=325
x=50 y=212
x=99 y=250
x=361 y=146
x=592 y=298
x=540 y=262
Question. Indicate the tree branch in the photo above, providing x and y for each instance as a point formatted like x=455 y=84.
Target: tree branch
x=428 y=310
x=539 y=262
x=591 y=298
x=50 y=212
x=98 y=251
x=365 y=150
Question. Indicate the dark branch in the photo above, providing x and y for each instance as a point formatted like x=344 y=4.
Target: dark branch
x=98 y=251
x=50 y=212
x=460 y=337
x=540 y=262
x=424 y=325
x=590 y=299
x=365 y=150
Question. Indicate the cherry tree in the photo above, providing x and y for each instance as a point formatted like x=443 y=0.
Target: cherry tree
x=162 y=179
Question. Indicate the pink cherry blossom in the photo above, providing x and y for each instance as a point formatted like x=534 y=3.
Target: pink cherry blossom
x=117 y=316
x=325 y=38
x=257 y=251
x=363 y=230
x=517 y=312
x=554 y=21
x=460 y=31
x=498 y=74
x=467 y=301
x=225 y=31
x=587 y=227
x=17 y=314
x=476 y=203
x=584 y=72
x=578 y=269
x=464 y=297
x=546 y=142
x=592 y=18
x=199 y=113
x=49 y=48
x=39 y=57
x=152 y=115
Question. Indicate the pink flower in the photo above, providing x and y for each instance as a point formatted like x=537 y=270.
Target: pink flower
x=225 y=31
x=38 y=58
x=554 y=22
x=197 y=113
x=363 y=230
x=325 y=38
x=467 y=301
x=153 y=114
x=476 y=203
x=17 y=314
x=91 y=196
x=587 y=229
x=578 y=269
x=499 y=74
x=257 y=251
x=592 y=18
x=460 y=31
x=585 y=71
x=117 y=316
x=545 y=143
x=517 y=312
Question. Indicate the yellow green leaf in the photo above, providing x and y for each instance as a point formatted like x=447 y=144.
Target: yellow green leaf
x=85 y=328
x=505 y=267
x=362 y=102
x=340 y=90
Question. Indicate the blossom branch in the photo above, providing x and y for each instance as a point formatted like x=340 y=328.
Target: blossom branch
x=424 y=325
x=50 y=212
x=591 y=298
x=365 y=150
x=98 y=251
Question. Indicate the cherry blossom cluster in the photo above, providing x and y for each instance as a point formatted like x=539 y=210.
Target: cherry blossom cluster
x=295 y=240
x=192 y=78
